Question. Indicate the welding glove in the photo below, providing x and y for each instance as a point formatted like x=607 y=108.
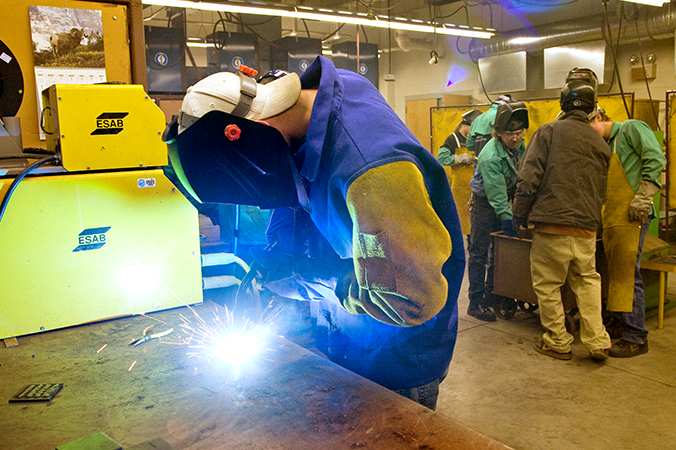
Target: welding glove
x=639 y=208
x=507 y=227
x=302 y=278
x=517 y=223
x=464 y=158
x=270 y=265
x=320 y=278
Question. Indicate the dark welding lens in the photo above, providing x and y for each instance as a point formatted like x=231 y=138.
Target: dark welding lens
x=272 y=75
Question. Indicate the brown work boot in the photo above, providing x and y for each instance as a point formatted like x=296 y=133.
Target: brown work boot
x=599 y=354
x=542 y=348
x=626 y=349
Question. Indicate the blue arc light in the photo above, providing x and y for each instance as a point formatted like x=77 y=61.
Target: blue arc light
x=455 y=75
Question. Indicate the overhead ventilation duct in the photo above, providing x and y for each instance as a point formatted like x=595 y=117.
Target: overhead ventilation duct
x=652 y=25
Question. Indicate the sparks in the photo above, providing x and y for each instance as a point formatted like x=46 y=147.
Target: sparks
x=224 y=338
x=104 y=346
x=238 y=347
x=131 y=367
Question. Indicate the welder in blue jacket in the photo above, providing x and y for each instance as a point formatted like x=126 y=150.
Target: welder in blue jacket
x=373 y=237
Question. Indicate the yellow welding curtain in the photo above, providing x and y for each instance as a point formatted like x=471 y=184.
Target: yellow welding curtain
x=445 y=119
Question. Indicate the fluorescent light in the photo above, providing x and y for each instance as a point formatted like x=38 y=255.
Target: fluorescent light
x=658 y=3
x=524 y=40
x=299 y=13
x=200 y=45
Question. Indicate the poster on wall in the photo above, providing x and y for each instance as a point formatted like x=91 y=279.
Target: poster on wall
x=67 y=48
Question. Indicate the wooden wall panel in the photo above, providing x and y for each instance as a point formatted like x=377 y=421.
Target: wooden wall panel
x=16 y=34
x=418 y=119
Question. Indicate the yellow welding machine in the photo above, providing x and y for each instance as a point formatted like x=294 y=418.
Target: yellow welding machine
x=108 y=236
x=100 y=127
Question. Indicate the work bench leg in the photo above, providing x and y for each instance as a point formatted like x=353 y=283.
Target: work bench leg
x=660 y=306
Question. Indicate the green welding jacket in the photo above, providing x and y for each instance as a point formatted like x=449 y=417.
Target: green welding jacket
x=482 y=125
x=639 y=152
x=495 y=176
x=446 y=155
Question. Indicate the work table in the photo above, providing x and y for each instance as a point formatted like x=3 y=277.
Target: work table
x=288 y=398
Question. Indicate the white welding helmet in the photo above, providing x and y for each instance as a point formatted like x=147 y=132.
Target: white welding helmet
x=218 y=151
x=238 y=94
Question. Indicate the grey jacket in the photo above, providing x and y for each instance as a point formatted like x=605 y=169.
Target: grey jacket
x=562 y=176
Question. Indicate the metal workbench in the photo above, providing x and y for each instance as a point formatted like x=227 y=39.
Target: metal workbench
x=290 y=398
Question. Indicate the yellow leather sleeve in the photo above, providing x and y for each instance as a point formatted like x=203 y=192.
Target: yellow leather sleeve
x=400 y=246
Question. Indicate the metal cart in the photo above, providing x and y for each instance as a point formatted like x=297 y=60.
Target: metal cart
x=512 y=280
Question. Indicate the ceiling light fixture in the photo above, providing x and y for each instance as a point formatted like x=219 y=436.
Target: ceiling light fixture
x=201 y=44
x=329 y=16
x=658 y=3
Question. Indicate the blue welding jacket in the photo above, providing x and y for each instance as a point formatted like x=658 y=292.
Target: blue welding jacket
x=352 y=129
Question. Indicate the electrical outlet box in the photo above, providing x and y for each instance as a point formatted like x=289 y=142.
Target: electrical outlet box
x=650 y=73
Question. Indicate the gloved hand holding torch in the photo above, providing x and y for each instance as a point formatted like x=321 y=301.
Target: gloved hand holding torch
x=301 y=277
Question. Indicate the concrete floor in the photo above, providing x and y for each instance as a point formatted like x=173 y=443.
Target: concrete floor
x=498 y=385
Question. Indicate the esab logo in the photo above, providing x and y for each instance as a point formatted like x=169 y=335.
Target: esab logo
x=91 y=239
x=110 y=123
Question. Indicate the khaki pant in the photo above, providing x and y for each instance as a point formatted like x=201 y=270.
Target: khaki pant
x=555 y=259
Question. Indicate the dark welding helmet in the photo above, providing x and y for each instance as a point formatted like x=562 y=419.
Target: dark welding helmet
x=583 y=73
x=221 y=154
x=469 y=116
x=580 y=90
x=511 y=117
x=223 y=158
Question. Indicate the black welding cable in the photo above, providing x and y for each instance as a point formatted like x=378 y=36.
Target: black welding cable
x=616 y=67
x=19 y=177
x=656 y=113
x=481 y=78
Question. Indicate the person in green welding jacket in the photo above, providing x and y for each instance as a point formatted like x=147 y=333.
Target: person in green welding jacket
x=453 y=151
x=493 y=185
x=634 y=175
